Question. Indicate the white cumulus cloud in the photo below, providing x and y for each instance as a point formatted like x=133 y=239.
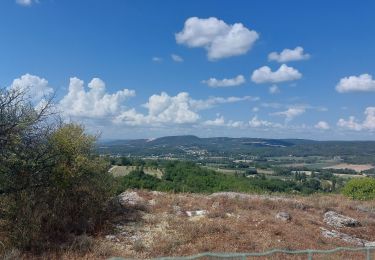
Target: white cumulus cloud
x=177 y=58
x=180 y=109
x=289 y=55
x=284 y=73
x=362 y=83
x=322 y=125
x=353 y=124
x=35 y=87
x=94 y=102
x=216 y=122
x=221 y=40
x=256 y=123
x=162 y=109
x=291 y=113
x=236 y=124
x=369 y=122
x=218 y=83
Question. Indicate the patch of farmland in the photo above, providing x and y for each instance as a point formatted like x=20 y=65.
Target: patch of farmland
x=355 y=167
x=118 y=171
x=225 y=171
x=265 y=171
x=324 y=164
x=343 y=175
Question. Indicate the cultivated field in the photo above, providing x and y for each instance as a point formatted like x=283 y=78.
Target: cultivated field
x=355 y=167
x=225 y=171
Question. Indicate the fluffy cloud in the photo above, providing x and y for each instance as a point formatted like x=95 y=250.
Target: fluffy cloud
x=221 y=40
x=369 y=122
x=291 y=113
x=322 y=125
x=353 y=124
x=177 y=58
x=362 y=83
x=26 y=2
x=180 y=109
x=217 y=122
x=274 y=89
x=284 y=73
x=289 y=55
x=35 y=87
x=255 y=122
x=236 y=124
x=350 y=124
x=220 y=122
x=218 y=83
x=162 y=109
x=93 y=103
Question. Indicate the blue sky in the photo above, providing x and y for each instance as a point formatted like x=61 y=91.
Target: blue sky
x=318 y=83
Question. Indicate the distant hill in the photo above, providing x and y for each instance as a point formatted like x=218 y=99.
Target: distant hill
x=190 y=145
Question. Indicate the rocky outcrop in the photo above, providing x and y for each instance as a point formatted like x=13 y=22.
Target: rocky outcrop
x=370 y=244
x=283 y=216
x=196 y=213
x=345 y=237
x=335 y=219
x=130 y=198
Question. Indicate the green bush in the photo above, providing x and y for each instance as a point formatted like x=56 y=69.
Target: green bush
x=360 y=189
x=53 y=186
x=71 y=200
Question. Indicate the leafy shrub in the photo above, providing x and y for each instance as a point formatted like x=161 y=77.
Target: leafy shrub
x=360 y=189
x=52 y=185
x=69 y=202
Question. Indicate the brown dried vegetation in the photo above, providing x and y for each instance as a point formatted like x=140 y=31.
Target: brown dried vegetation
x=231 y=224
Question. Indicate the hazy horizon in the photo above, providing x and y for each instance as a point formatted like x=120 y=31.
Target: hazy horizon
x=239 y=137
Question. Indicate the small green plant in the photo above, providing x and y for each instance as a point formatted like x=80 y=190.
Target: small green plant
x=360 y=189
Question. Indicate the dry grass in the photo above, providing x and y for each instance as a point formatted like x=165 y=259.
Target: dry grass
x=236 y=224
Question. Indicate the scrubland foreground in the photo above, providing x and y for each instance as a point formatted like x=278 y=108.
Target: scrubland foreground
x=146 y=224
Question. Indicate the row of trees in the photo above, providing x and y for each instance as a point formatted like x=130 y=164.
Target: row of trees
x=52 y=186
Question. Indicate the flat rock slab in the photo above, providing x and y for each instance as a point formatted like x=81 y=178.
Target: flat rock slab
x=337 y=220
x=195 y=213
x=347 y=238
x=370 y=244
